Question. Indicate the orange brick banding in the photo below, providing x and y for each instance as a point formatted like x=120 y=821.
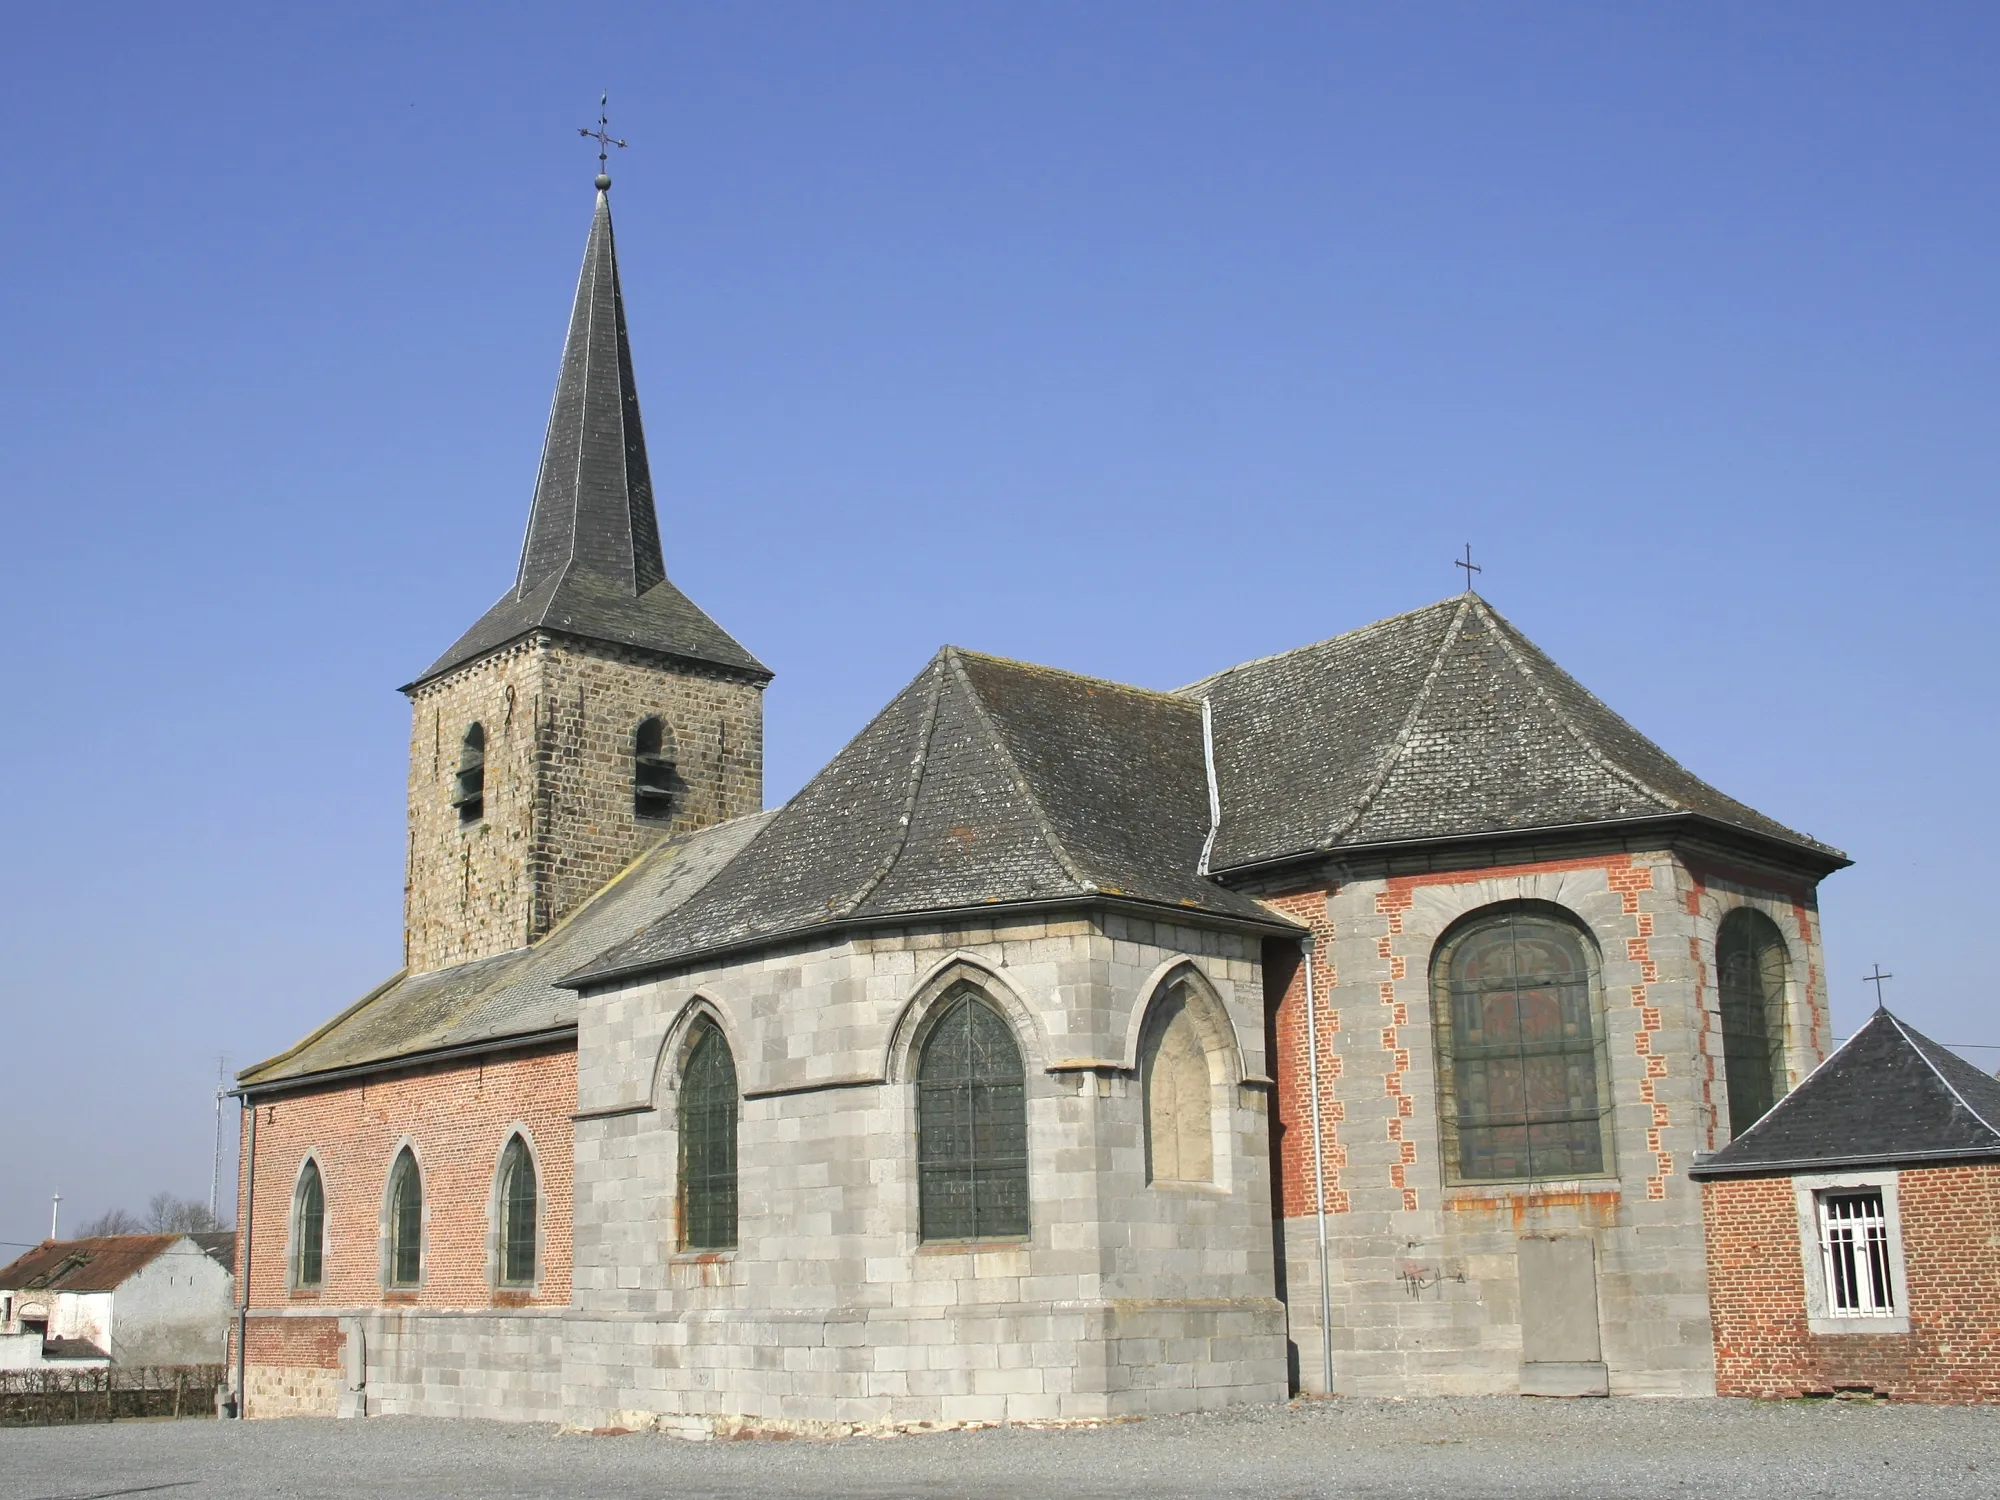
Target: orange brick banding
x=1291 y=1068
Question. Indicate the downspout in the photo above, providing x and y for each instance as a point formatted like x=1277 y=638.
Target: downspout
x=1214 y=792
x=1319 y=1168
x=243 y=1292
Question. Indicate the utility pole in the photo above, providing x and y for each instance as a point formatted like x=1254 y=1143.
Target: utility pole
x=215 y=1159
x=55 y=1213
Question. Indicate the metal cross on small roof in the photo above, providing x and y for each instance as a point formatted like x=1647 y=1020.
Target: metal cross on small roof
x=1470 y=567
x=604 y=138
x=1876 y=979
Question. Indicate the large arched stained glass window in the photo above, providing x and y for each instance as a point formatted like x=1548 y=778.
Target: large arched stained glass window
x=1521 y=1069
x=406 y=1221
x=1750 y=973
x=972 y=1127
x=309 y=1228
x=708 y=1143
x=518 y=1204
x=1180 y=1105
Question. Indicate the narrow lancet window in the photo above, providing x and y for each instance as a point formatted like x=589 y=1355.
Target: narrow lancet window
x=1180 y=1126
x=1750 y=973
x=406 y=1221
x=972 y=1127
x=652 y=772
x=518 y=1205
x=309 y=1229
x=708 y=1143
x=470 y=794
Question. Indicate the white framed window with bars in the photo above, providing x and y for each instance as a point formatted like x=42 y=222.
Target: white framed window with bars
x=1851 y=1241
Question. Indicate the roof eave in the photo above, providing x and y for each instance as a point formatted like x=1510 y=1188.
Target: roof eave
x=404 y=1061
x=756 y=673
x=587 y=979
x=1792 y=1166
x=1817 y=857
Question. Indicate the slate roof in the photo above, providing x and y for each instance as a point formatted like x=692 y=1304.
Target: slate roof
x=96 y=1263
x=1442 y=723
x=984 y=783
x=219 y=1245
x=510 y=995
x=591 y=565
x=1890 y=1095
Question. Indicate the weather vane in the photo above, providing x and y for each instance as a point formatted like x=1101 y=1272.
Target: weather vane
x=1876 y=979
x=1469 y=565
x=605 y=140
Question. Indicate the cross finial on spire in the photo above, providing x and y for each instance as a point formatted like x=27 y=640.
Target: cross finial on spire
x=1876 y=979
x=1470 y=567
x=605 y=140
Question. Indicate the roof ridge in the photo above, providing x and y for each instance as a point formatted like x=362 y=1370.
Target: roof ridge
x=1401 y=742
x=1173 y=695
x=1042 y=822
x=1917 y=1040
x=1502 y=630
x=1258 y=661
x=1818 y=1068
x=919 y=763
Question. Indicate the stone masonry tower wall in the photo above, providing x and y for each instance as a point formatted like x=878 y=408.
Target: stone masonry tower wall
x=560 y=818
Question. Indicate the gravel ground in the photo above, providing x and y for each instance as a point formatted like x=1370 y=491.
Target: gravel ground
x=1499 y=1447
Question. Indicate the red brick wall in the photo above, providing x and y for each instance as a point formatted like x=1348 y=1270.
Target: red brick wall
x=296 y=1343
x=458 y=1119
x=1951 y=1271
x=1291 y=1063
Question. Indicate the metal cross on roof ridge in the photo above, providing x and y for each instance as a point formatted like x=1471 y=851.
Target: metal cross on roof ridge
x=604 y=138
x=1876 y=979
x=1470 y=567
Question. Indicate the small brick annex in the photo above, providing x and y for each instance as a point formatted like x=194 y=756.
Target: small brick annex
x=1951 y=1276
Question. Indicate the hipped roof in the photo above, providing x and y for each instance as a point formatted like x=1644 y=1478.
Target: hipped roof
x=1442 y=723
x=1889 y=1096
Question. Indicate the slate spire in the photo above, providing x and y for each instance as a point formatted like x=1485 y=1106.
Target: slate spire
x=594 y=496
x=591 y=565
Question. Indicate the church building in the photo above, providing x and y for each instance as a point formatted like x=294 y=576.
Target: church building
x=1347 y=1021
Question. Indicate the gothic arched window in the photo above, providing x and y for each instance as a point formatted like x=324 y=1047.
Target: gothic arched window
x=708 y=1142
x=1521 y=1067
x=1750 y=973
x=518 y=1204
x=470 y=796
x=972 y=1126
x=1180 y=1108
x=309 y=1228
x=406 y=1221
x=652 y=771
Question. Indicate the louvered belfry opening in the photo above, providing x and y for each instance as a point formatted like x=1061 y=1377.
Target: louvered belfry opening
x=652 y=772
x=1750 y=975
x=518 y=1208
x=972 y=1126
x=708 y=1109
x=469 y=796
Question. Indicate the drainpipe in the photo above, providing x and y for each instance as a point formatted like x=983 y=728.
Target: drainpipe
x=1319 y=1168
x=243 y=1292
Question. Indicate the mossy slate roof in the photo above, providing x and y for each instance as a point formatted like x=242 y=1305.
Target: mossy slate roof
x=1889 y=1096
x=511 y=995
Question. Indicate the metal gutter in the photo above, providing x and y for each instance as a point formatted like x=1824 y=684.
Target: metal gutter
x=515 y=1043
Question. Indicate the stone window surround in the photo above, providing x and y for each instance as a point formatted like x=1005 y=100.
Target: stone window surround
x=1461 y=926
x=390 y=1285
x=669 y=1071
x=1820 y=1318
x=496 y=1216
x=292 y=1284
x=1204 y=1009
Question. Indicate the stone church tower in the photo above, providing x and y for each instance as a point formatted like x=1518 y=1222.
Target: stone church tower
x=594 y=708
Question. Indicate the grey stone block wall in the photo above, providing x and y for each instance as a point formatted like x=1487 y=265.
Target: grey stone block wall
x=1424 y=1274
x=1125 y=1297
x=430 y=1363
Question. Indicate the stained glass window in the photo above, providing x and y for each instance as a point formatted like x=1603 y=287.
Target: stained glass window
x=708 y=1143
x=309 y=1229
x=1750 y=974
x=406 y=1221
x=517 y=1214
x=1520 y=1054
x=972 y=1127
x=1180 y=1126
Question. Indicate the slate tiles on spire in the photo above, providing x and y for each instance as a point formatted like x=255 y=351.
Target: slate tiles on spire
x=984 y=783
x=1442 y=723
x=1890 y=1095
x=591 y=565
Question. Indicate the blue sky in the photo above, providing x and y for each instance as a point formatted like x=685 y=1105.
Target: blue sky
x=1135 y=339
